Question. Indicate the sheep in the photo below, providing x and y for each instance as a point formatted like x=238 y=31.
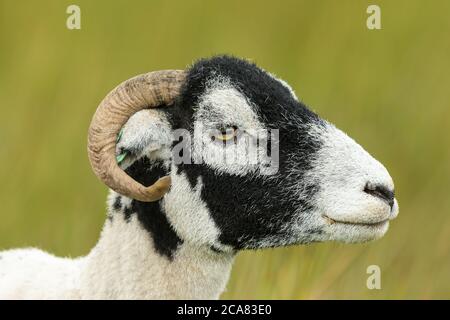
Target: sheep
x=174 y=228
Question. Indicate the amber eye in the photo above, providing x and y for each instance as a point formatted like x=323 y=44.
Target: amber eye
x=226 y=135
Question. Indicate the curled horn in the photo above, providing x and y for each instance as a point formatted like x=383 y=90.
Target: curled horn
x=150 y=90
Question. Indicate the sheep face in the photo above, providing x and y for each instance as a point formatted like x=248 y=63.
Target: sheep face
x=310 y=182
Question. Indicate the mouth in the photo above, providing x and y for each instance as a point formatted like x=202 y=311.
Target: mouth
x=376 y=224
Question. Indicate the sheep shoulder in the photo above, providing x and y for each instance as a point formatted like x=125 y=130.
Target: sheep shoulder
x=34 y=274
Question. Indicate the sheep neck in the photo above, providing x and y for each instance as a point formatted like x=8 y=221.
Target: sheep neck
x=126 y=265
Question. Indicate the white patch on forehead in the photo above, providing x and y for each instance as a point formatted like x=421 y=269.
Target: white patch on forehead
x=223 y=104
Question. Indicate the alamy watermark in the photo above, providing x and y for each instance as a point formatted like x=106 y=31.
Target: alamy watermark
x=73 y=21
x=373 y=21
x=236 y=149
x=374 y=278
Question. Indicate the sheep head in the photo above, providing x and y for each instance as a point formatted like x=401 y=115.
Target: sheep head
x=293 y=178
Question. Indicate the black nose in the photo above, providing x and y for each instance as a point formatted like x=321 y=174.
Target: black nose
x=381 y=192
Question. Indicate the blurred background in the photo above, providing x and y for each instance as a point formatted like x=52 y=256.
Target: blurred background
x=389 y=89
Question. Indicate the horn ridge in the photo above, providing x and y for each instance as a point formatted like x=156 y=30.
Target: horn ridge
x=144 y=91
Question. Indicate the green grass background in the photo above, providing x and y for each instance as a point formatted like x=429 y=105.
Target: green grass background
x=389 y=89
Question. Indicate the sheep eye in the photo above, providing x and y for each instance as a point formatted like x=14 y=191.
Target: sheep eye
x=226 y=135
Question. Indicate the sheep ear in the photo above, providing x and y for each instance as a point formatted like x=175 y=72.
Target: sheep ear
x=147 y=133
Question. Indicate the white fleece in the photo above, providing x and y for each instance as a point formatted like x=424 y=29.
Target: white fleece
x=123 y=265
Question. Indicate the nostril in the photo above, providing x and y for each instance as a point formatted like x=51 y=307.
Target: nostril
x=380 y=192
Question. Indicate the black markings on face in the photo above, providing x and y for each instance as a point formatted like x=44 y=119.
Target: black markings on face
x=117 y=206
x=117 y=203
x=249 y=210
x=128 y=211
x=150 y=214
